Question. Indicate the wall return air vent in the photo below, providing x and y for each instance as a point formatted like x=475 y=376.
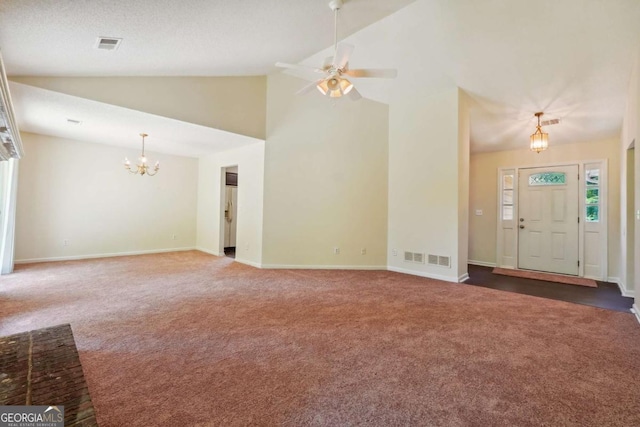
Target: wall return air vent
x=415 y=257
x=442 y=261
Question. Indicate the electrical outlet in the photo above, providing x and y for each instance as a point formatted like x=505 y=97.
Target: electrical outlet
x=394 y=252
x=173 y=237
x=65 y=242
x=363 y=251
x=336 y=251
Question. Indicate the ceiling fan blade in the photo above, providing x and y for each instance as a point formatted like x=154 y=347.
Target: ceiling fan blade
x=298 y=67
x=354 y=94
x=343 y=52
x=308 y=88
x=383 y=73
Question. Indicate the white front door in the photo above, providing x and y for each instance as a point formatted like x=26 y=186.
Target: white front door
x=548 y=219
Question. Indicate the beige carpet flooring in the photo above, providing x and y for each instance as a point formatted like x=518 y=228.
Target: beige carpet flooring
x=188 y=339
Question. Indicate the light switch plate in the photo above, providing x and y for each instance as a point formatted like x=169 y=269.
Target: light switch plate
x=478 y=212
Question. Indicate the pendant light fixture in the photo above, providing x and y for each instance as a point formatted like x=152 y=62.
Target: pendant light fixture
x=142 y=167
x=539 y=140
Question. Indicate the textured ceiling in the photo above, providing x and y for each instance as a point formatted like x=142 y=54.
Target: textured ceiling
x=172 y=38
x=570 y=58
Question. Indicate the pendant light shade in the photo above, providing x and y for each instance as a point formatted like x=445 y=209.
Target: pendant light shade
x=539 y=141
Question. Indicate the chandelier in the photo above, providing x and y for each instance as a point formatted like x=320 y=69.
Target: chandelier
x=539 y=140
x=142 y=168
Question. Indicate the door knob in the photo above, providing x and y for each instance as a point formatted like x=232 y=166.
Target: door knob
x=521 y=219
x=521 y=226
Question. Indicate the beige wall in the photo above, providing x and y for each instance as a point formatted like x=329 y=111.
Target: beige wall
x=483 y=192
x=629 y=219
x=464 y=142
x=325 y=179
x=250 y=162
x=630 y=235
x=424 y=192
x=80 y=192
x=428 y=197
x=233 y=104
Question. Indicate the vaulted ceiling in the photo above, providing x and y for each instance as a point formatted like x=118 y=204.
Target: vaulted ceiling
x=570 y=58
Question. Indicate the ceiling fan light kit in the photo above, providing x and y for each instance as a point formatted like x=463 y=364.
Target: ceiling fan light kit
x=335 y=87
x=334 y=84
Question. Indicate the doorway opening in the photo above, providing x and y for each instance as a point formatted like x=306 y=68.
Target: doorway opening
x=230 y=205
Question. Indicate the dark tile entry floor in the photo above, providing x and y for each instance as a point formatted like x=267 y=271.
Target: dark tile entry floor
x=42 y=367
x=606 y=295
x=230 y=252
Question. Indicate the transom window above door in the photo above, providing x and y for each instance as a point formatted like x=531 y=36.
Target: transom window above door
x=548 y=178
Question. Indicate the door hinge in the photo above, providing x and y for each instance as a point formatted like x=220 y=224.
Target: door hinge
x=578 y=220
x=578 y=263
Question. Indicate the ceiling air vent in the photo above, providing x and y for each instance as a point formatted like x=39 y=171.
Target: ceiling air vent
x=108 y=43
x=549 y=122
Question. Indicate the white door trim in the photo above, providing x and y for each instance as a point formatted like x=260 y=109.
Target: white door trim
x=603 y=223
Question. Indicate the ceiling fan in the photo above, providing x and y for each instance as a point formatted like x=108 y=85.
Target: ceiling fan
x=334 y=83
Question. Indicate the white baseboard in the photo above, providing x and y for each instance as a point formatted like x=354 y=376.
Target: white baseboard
x=463 y=278
x=210 y=252
x=247 y=262
x=623 y=289
x=481 y=263
x=636 y=310
x=107 y=255
x=323 y=267
x=423 y=274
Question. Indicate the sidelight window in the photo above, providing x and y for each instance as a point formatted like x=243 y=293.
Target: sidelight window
x=507 y=197
x=592 y=195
